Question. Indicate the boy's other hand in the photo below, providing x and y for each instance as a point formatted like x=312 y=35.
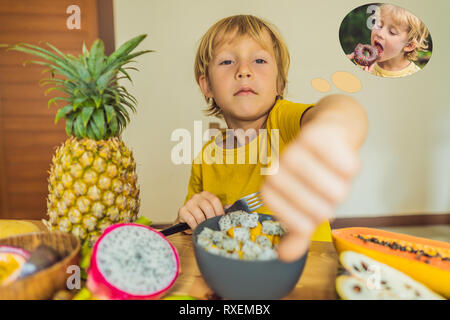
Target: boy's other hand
x=370 y=68
x=314 y=176
x=200 y=207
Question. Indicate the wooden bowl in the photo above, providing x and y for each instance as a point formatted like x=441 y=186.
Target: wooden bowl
x=43 y=284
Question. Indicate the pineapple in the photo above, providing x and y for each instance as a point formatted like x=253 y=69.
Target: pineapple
x=92 y=179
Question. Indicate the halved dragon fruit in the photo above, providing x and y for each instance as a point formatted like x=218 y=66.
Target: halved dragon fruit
x=132 y=261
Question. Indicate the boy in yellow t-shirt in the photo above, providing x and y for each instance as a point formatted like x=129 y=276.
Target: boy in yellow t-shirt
x=398 y=36
x=241 y=67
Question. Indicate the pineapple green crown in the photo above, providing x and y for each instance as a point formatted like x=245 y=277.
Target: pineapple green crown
x=97 y=106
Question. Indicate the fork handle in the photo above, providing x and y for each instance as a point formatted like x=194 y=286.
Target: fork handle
x=184 y=226
x=175 y=229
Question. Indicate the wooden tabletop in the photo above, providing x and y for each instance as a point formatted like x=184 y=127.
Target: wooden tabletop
x=317 y=281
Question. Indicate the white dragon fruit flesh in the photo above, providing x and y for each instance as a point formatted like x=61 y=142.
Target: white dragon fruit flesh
x=132 y=261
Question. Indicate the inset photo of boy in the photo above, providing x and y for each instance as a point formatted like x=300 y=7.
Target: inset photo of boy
x=386 y=40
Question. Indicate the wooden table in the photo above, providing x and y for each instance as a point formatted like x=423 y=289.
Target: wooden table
x=317 y=281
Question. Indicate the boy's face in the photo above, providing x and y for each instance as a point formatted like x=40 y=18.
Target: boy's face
x=242 y=78
x=390 y=39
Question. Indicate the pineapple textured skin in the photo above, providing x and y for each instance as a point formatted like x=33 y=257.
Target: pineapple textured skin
x=92 y=185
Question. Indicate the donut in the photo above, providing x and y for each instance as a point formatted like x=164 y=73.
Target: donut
x=365 y=54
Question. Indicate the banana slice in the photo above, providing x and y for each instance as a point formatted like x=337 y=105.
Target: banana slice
x=13 y=227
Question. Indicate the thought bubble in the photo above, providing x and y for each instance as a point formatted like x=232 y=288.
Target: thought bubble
x=346 y=81
x=321 y=85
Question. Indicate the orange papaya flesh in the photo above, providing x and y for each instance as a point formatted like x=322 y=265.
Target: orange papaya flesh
x=255 y=232
x=425 y=260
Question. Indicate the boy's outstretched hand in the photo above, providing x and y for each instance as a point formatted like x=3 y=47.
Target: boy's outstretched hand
x=314 y=176
x=200 y=207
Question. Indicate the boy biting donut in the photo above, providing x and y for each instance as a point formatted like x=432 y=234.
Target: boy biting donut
x=398 y=35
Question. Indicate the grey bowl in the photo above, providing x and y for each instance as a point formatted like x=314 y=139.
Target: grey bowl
x=246 y=280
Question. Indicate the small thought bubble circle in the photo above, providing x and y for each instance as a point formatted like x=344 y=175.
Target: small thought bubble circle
x=320 y=84
x=346 y=81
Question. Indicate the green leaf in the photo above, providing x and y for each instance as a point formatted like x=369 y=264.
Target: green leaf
x=120 y=109
x=97 y=101
x=117 y=96
x=54 y=81
x=63 y=56
x=96 y=58
x=114 y=126
x=47 y=70
x=99 y=120
x=90 y=133
x=80 y=128
x=69 y=124
x=53 y=67
x=53 y=100
x=122 y=121
x=76 y=131
x=86 y=114
x=115 y=65
x=47 y=55
x=121 y=90
x=82 y=58
x=81 y=70
x=131 y=68
x=130 y=97
x=110 y=112
x=44 y=53
x=78 y=101
x=126 y=74
x=85 y=50
x=104 y=79
x=63 y=112
x=62 y=89
x=131 y=106
x=126 y=48
x=95 y=130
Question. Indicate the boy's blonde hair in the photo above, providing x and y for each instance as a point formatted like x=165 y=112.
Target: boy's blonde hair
x=244 y=25
x=416 y=29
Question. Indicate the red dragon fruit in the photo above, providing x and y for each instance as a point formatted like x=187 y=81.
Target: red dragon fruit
x=132 y=261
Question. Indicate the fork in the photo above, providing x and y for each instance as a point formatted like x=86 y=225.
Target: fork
x=248 y=204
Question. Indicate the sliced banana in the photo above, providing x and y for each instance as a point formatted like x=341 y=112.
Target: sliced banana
x=14 y=227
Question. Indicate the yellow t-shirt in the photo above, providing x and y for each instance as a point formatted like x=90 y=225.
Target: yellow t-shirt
x=233 y=173
x=410 y=69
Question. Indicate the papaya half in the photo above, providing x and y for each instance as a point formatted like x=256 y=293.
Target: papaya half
x=425 y=260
